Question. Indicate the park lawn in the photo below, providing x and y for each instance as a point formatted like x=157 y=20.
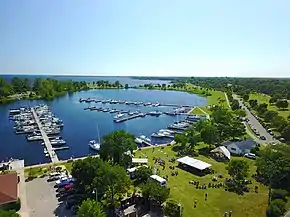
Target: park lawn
x=219 y=201
x=263 y=98
x=197 y=111
x=217 y=97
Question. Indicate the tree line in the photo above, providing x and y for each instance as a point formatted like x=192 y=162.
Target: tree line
x=269 y=86
x=47 y=88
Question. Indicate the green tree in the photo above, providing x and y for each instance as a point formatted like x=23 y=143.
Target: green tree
x=279 y=122
x=115 y=146
x=270 y=115
x=235 y=104
x=286 y=132
x=126 y=86
x=154 y=192
x=173 y=208
x=142 y=174
x=209 y=133
x=253 y=103
x=282 y=104
x=117 y=183
x=181 y=139
x=10 y=213
x=273 y=166
x=91 y=208
x=262 y=108
x=245 y=96
x=238 y=169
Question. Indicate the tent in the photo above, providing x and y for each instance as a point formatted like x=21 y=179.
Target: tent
x=194 y=163
x=222 y=150
x=139 y=160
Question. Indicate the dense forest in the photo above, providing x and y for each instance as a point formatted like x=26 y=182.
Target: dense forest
x=46 y=88
x=269 y=86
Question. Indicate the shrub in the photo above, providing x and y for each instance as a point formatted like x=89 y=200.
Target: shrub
x=276 y=208
x=281 y=204
x=11 y=206
x=279 y=194
x=273 y=211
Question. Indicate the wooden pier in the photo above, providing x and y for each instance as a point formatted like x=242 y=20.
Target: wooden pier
x=46 y=140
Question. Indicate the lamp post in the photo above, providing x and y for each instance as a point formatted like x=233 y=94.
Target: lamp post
x=96 y=192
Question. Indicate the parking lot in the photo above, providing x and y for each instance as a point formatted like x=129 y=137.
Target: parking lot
x=42 y=200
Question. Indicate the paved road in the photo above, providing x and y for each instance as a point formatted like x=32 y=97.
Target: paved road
x=287 y=214
x=255 y=123
x=24 y=210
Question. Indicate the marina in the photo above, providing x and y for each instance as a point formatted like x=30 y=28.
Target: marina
x=80 y=124
x=137 y=103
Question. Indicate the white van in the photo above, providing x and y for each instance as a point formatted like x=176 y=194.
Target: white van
x=159 y=179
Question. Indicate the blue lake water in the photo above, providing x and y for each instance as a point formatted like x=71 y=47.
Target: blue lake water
x=80 y=125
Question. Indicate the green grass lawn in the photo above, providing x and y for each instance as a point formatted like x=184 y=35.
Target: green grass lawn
x=197 y=111
x=215 y=97
x=262 y=98
x=219 y=201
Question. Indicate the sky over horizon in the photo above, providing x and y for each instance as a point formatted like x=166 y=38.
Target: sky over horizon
x=145 y=37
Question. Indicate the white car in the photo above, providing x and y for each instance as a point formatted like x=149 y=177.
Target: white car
x=250 y=155
x=62 y=179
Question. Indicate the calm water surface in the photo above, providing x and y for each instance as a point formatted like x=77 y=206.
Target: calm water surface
x=80 y=125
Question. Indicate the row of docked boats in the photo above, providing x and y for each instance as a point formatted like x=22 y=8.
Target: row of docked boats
x=172 y=129
x=25 y=123
x=110 y=101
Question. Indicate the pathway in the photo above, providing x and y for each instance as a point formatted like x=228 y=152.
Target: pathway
x=24 y=210
x=46 y=140
x=227 y=99
x=287 y=214
x=202 y=110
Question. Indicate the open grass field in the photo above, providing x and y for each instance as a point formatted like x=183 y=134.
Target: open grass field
x=219 y=201
x=199 y=111
x=262 y=98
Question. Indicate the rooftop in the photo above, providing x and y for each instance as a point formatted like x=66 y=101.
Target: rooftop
x=198 y=164
x=8 y=188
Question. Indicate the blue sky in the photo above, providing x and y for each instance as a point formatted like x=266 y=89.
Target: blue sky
x=146 y=37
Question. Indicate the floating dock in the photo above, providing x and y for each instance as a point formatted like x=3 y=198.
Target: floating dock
x=154 y=104
x=129 y=117
x=60 y=148
x=46 y=140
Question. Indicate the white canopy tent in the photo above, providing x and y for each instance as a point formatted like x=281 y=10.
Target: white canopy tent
x=223 y=150
x=194 y=163
x=139 y=160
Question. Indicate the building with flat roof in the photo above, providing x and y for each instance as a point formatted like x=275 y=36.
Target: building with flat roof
x=194 y=165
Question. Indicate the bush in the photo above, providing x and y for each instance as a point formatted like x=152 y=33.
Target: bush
x=11 y=206
x=4 y=213
x=273 y=211
x=276 y=208
x=279 y=194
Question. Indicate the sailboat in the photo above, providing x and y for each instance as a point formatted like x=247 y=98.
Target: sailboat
x=93 y=144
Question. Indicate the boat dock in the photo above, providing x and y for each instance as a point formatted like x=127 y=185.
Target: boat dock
x=128 y=118
x=46 y=140
x=60 y=148
x=154 y=104
x=147 y=143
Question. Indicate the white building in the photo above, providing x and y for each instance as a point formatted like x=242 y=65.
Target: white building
x=240 y=147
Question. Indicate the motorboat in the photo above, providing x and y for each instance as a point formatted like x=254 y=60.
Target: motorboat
x=158 y=135
x=155 y=113
x=93 y=144
x=118 y=116
x=106 y=110
x=144 y=138
x=56 y=142
x=34 y=138
x=138 y=140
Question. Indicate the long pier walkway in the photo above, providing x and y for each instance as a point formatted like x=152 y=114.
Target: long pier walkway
x=46 y=140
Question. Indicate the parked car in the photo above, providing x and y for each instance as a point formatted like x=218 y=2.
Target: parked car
x=250 y=155
x=63 y=184
x=263 y=137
